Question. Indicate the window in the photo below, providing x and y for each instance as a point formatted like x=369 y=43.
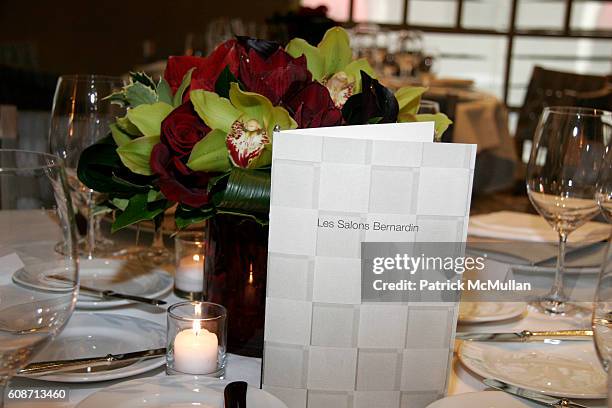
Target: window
x=496 y=42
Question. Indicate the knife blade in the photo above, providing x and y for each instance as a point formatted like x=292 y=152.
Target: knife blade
x=111 y=294
x=527 y=335
x=531 y=395
x=45 y=367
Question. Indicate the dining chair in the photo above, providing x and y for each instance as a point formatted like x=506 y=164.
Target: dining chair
x=549 y=88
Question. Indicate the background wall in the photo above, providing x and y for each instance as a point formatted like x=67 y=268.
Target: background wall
x=72 y=36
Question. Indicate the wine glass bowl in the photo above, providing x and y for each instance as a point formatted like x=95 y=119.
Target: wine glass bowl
x=566 y=158
x=36 y=212
x=81 y=115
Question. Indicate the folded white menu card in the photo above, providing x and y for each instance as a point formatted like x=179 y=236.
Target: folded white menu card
x=332 y=189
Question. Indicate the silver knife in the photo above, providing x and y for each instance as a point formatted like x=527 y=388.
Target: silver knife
x=45 y=367
x=110 y=294
x=532 y=395
x=526 y=336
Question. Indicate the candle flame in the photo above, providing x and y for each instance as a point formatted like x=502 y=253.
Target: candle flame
x=250 y=273
x=197 y=324
x=196 y=258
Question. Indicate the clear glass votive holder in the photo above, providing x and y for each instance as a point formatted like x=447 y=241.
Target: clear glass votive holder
x=196 y=339
x=190 y=251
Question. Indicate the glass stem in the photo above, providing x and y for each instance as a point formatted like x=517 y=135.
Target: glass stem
x=557 y=292
x=91 y=226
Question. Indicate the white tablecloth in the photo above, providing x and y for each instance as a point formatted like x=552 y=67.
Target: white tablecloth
x=249 y=369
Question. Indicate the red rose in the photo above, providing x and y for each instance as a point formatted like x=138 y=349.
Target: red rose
x=312 y=107
x=174 y=177
x=227 y=54
x=275 y=76
x=182 y=129
x=177 y=67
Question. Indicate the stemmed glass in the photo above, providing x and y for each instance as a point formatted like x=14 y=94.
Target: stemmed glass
x=567 y=154
x=602 y=315
x=81 y=115
x=38 y=285
x=602 y=305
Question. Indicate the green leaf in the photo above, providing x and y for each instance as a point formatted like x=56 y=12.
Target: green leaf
x=186 y=216
x=142 y=78
x=441 y=122
x=148 y=118
x=210 y=153
x=139 y=210
x=178 y=96
x=154 y=195
x=353 y=71
x=138 y=94
x=133 y=187
x=98 y=167
x=216 y=112
x=336 y=50
x=222 y=86
x=409 y=99
x=119 y=136
x=120 y=203
x=164 y=92
x=314 y=59
x=136 y=154
x=117 y=98
x=253 y=105
x=247 y=192
x=214 y=181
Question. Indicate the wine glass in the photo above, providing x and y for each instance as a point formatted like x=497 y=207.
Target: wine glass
x=567 y=154
x=81 y=116
x=602 y=315
x=38 y=285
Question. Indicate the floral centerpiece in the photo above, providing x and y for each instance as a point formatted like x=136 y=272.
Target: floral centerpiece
x=201 y=137
x=200 y=140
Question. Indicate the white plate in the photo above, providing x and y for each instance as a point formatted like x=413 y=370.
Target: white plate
x=95 y=335
x=569 y=369
x=133 y=278
x=481 y=312
x=173 y=391
x=488 y=399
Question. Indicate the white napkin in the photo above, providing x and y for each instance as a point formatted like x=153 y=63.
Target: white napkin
x=510 y=225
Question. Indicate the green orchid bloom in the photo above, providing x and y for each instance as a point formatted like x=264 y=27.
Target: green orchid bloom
x=331 y=63
x=409 y=99
x=246 y=120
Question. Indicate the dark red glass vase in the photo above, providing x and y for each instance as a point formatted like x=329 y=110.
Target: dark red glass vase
x=236 y=279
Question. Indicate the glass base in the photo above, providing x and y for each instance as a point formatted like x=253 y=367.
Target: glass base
x=156 y=255
x=220 y=373
x=559 y=308
x=188 y=295
x=552 y=307
x=104 y=248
